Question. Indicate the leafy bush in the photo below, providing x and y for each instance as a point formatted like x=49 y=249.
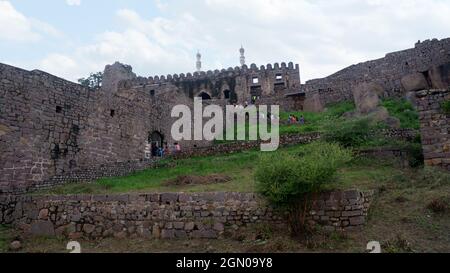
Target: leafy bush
x=416 y=155
x=351 y=133
x=285 y=178
x=446 y=107
x=404 y=111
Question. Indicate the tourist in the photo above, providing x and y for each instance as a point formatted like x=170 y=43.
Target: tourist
x=154 y=150
x=166 y=149
x=177 y=148
x=302 y=120
x=160 y=152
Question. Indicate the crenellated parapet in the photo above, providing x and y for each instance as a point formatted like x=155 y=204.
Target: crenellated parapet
x=214 y=74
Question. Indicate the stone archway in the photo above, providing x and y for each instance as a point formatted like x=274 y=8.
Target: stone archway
x=227 y=94
x=204 y=96
x=156 y=141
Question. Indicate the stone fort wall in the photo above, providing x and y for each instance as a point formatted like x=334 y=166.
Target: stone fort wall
x=435 y=127
x=52 y=130
x=170 y=215
x=387 y=72
x=237 y=84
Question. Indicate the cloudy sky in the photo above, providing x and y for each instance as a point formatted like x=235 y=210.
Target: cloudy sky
x=71 y=38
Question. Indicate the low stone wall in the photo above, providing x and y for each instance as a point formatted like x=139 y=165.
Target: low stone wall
x=87 y=174
x=93 y=173
x=235 y=147
x=169 y=215
x=400 y=157
x=285 y=140
x=400 y=134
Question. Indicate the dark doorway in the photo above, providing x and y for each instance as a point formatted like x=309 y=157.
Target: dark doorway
x=156 y=139
x=205 y=96
x=227 y=94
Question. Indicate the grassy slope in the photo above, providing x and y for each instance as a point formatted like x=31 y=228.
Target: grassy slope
x=238 y=166
x=404 y=111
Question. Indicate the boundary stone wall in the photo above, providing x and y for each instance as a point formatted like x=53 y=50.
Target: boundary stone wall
x=170 y=215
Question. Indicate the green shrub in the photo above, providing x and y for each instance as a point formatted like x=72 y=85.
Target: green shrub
x=404 y=111
x=446 y=107
x=351 y=133
x=285 y=178
x=416 y=155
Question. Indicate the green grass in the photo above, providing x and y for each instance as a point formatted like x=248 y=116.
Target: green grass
x=240 y=167
x=315 y=122
x=4 y=238
x=404 y=111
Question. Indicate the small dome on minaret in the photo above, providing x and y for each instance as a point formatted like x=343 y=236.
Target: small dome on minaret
x=199 y=62
x=242 y=59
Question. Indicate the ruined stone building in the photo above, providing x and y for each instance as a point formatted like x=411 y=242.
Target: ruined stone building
x=388 y=72
x=54 y=131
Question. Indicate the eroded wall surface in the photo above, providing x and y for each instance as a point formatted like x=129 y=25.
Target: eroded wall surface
x=387 y=71
x=435 y=127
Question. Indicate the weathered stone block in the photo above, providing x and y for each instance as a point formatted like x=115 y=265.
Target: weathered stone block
x=42 y=228
x=356 y=221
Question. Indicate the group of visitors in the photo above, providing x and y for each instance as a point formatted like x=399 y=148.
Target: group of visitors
x=162 y=151
x=296 y=120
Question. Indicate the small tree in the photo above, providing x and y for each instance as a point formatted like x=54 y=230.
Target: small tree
x=288 y=180
x=93 y=81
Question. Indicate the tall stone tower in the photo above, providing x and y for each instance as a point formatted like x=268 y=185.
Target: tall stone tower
x=199 y=62
x=242 y=51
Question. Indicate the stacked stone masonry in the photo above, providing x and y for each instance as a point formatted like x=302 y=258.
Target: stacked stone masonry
x=54 y=131
x=387 y=72
x=435 y=127
x=237 y=84
x=170 y=215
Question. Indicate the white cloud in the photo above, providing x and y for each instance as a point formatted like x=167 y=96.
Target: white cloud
x=323 y=36
x=16 y=27
x=73 y=2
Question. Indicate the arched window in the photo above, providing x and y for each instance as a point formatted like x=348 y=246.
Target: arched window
x=205 y=96
x=156 y=139
x=226 y=94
